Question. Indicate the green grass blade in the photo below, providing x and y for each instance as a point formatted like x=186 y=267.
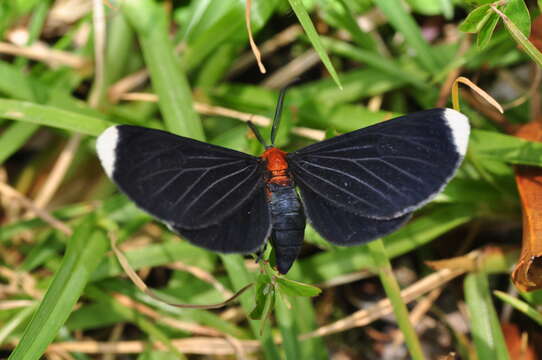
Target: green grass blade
x=14 y=137
x=168 y=79
x=491 y=145
x=239 y=276
x=85 y=248
x=485 y=327
x=288 y=329
x=391 y=287
x=374 y=60
x=51 y=116
x=305 y=20
x=520 y=306
x=403 y=22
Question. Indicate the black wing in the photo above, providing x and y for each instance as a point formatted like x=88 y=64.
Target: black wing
x=244 y=231
x=183 y=182
x=388 y=169
x=342 y=227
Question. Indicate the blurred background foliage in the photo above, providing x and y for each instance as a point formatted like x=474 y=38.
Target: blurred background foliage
x=70 y=68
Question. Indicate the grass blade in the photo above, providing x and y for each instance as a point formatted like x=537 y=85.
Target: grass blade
x=85 y=248
x=314 y=38
x=168 y=79
x=51 y=116
x=391 y=287
x=520 y=306
x=403 y=22
x=485 y=327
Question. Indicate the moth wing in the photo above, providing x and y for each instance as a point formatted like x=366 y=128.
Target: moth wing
x=341 y=227
x=244 y=231
x=385 y=170
x=179 y=180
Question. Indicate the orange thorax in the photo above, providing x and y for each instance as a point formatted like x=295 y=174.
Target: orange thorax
x=277 y=166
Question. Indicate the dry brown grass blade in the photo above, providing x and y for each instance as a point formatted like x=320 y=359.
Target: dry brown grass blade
x=383 y=307
x=193 y=345
x=206 y=109
x=171 y=322
x=527 y=275
x=43 y=53
x=144 y=288
x=293 y=69
x=285 y=37
x=253 y=45
x=7 y=190
x=475 y=88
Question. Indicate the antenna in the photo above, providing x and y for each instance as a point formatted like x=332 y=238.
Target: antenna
x=257 y=134
x=278 y=112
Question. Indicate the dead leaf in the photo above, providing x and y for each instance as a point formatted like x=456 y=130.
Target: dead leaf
x=517 y=345
x=527 y=275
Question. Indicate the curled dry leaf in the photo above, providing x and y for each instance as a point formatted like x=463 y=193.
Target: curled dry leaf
x=527 y=274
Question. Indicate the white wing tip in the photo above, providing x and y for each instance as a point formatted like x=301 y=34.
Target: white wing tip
x=459 y=124
x=106 y=145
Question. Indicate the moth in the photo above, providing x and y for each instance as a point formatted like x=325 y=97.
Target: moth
x=352 y=188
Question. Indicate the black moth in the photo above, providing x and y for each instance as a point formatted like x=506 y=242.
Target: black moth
x=354 y=187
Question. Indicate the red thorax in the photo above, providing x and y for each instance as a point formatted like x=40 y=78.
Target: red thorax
x=277 y=166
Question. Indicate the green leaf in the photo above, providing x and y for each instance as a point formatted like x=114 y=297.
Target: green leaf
x=52 y=116
x=296 y=288
x=519 y=305
x=264 y=293
x=306 y=23
x=85 y=249
x=405 y=24
x=393 y=291
x=505 y=148
x=517 y=12
x=168 y=79
x=485 y=33
x=485 y=326
x=14 y=137
x=476 y=19
x=521 y=39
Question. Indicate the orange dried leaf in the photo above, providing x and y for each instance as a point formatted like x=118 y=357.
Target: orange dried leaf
x=536 y=33
x=516 y=344
x=527 y=275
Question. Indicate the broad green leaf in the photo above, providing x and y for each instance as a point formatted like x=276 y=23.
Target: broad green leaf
x=476 y=19
x=518 y=13
x=296 y=288
x=522 y=40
